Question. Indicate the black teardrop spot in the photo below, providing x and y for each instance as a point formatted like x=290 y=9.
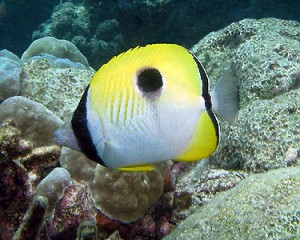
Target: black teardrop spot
x=149 y=80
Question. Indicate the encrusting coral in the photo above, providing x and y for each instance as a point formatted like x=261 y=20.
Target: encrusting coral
x=22 y=167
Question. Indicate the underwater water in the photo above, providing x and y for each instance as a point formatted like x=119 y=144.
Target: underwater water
x=249 y=188
x=101 y=29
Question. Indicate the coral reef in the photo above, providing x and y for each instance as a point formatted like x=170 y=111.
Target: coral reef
x=262 y=206
x=129 y=197
x=26 y=200
x=73 y=208
x=10 y=71
x=264 y=57
x=101 y=203
x=171 y=208
x=199 y=185
x=97 y=39
x=103 y=29
x=33 y=220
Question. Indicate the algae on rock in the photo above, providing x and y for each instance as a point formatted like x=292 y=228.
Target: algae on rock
x=263 y=206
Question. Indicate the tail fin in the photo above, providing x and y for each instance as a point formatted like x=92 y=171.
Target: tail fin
x=64 y=136
x=225 y=96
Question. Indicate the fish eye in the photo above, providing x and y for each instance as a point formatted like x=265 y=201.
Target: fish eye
x=149 y=80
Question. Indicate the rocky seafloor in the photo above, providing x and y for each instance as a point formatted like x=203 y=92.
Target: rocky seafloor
x=248 y=189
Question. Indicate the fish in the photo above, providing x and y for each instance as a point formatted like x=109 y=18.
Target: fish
x=147 y=105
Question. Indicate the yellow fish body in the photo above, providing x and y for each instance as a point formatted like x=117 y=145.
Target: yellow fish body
x=147 y=105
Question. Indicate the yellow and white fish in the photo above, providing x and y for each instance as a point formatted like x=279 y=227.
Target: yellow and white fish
x=148 y=105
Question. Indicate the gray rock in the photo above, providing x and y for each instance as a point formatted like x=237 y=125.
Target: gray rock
x=10 y=72
x=264 y=133
x=9 y=54
x=263 y=206
x=34 y=120
x=264 y=55
x=56 y=86
x=55 y=47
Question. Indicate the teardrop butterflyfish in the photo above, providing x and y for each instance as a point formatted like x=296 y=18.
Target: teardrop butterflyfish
x=147 y=105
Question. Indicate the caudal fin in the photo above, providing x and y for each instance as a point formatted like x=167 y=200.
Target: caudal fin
x=225 y=96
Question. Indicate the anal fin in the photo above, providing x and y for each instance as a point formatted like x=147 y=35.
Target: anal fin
x=137 y=168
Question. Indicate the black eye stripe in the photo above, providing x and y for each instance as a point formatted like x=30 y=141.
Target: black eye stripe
x=149 y=80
